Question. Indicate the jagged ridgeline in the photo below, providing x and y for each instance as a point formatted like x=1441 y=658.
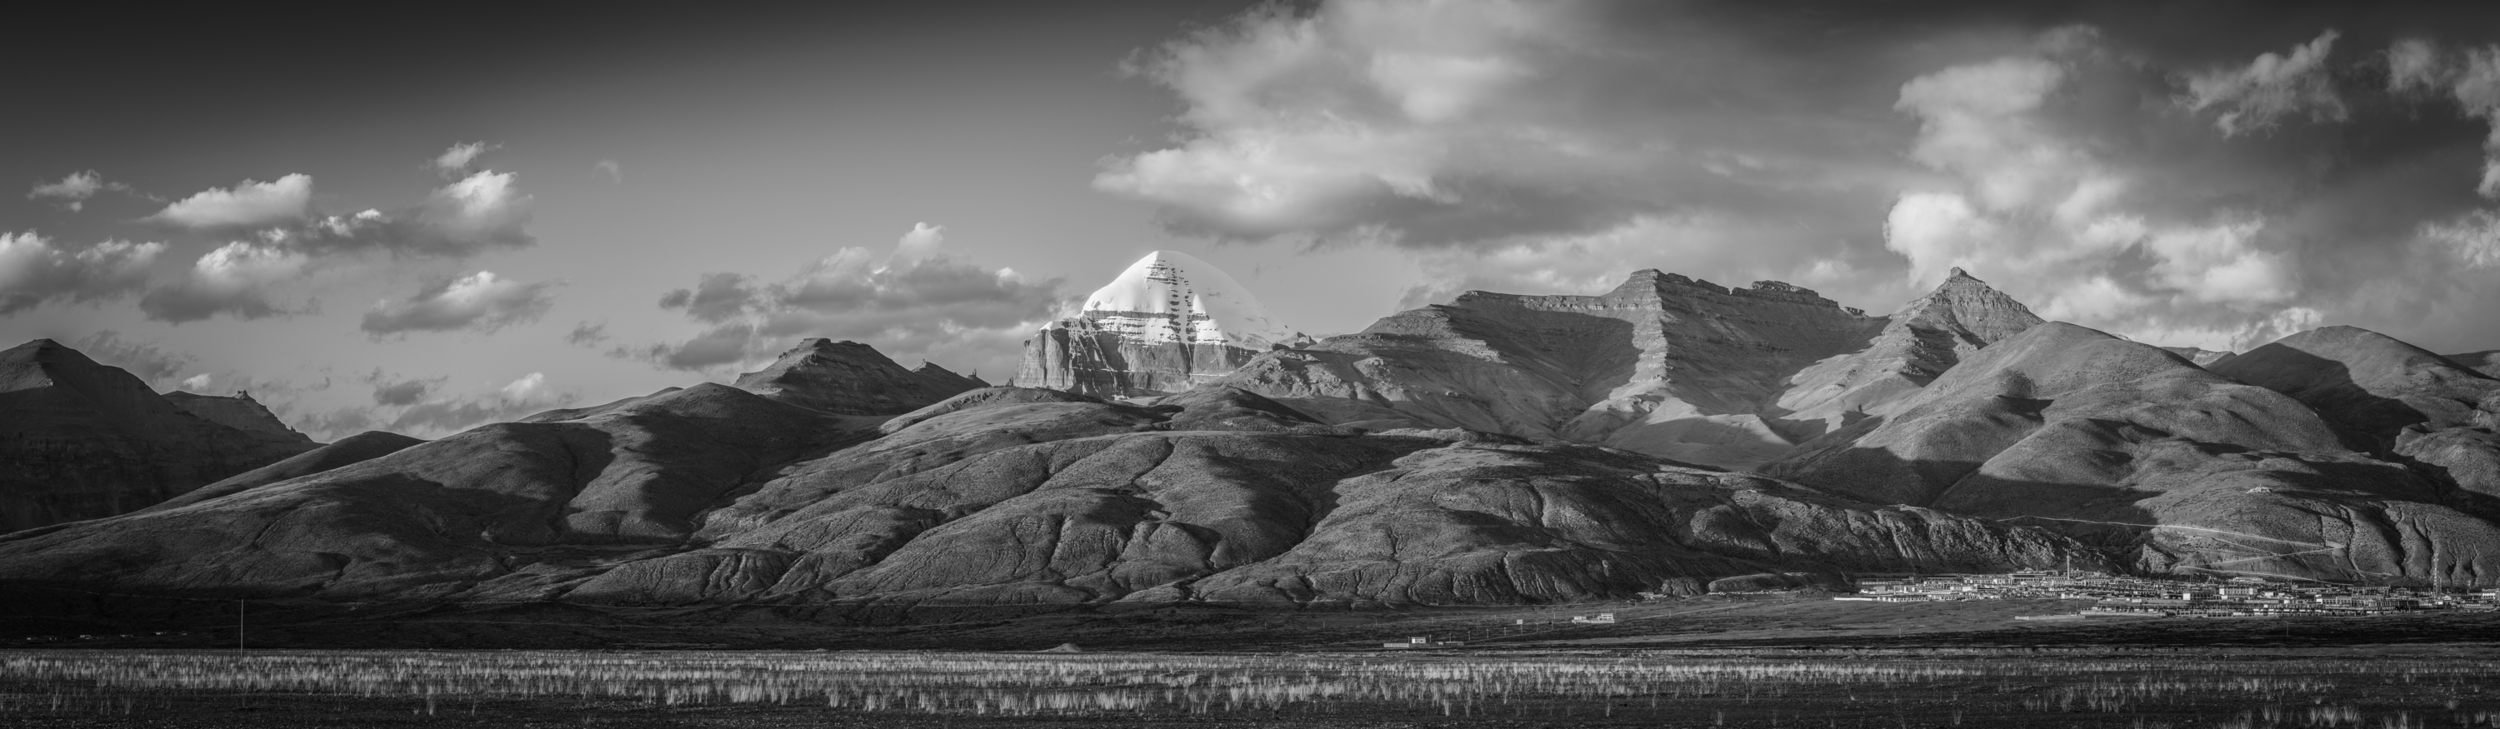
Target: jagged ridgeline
x=788 y=488
x=1495 y=449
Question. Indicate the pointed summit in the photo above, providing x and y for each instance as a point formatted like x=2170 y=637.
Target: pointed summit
x=1928 y=336
x=1169 y=296
x=850 y=378
x=1166 y=324
x=1974 y=313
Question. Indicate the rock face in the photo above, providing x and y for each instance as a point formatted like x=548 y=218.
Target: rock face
x=1002 y=496
x=843 y=378
x=1664 y=365
x=1925 y=338
x=81 y=440
x=238 y=411
x=2143 y=452
x=1168 y=323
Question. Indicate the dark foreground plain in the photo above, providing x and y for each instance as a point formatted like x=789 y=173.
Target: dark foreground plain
x=1795 y=660
x=2418 y=686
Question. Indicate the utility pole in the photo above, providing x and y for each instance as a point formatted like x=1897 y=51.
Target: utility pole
x=238 y=626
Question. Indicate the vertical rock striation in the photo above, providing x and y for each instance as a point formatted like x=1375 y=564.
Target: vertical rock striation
x=1167 y=324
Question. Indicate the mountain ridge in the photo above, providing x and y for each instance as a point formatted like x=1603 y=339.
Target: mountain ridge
x=84 y=440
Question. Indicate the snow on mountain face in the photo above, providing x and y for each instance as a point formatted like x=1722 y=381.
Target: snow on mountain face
x=1169 y=297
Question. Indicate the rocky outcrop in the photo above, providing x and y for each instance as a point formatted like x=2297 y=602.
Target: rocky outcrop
x=81 y=440
x=1925 y=338
x=1664 y=365
x=1168 y=323
x=238 y=411
x=1002 y=496
x=848 y=378
x=2147 y=454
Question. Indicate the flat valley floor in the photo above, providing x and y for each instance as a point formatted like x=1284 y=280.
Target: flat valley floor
x=1784 y=661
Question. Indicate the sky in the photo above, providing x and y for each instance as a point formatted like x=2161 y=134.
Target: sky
x=480 y=213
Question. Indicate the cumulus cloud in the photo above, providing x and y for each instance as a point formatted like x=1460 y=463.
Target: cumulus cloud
x=247 y=204
x=2419 y=68
x=455 y=161
x=391 y=390
x=74 y=189
x=475 y=214
x=421 y=406
x=480 y=302
x=439 y=415
x=1480 y=125
x=2254 y=97
x=148 y=361
x=2040 y=205
x=2473 y=238
x=235 y=279
x=914 y=299
x=2478 y=90
x=34 y=270
x=483 y=211
x=715 y=298
x=2413 y=66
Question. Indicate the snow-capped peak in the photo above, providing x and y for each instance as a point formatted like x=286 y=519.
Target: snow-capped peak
x=1174 y=297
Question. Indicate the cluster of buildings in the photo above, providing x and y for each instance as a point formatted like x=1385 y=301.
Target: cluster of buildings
x=2119 y=595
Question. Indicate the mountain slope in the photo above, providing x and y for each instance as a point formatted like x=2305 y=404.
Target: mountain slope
x=2421 y=408
x=1663 y=364
x=2370 y=381
x=1001 y=496
x=238 y=411
x=81 y=440
x=2486 y=362
x=2146 y=453
x=847 y=378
